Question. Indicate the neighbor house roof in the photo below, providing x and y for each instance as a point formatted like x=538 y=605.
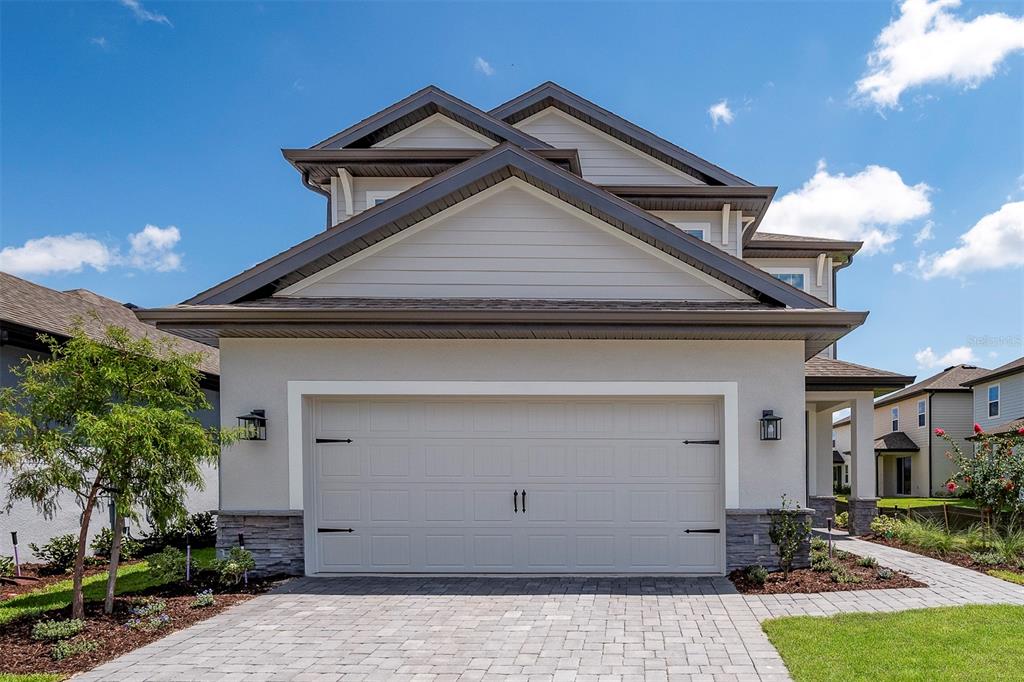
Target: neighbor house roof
x=1012 y=367
x=829 y=374
x=1005 y=427
x=948 y=380
x=897 y=441
x=500 y=163
x=774 y=245
x=553 y=95
x=36 y=308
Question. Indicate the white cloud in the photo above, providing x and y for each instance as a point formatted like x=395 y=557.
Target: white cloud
x=721 y=113
x=928 y=44
x=143 y=14
x=929 y=359
x=996 y=241
x=924 y=234
x=152 y=248
x=99 y=41
x=868 y=206
x=483 y=66
x=899 y=268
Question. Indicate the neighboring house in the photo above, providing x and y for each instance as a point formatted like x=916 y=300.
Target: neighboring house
x=28 y=310
x=535 y=339
x=841 y=455
x=998 y=397
x=912 y=460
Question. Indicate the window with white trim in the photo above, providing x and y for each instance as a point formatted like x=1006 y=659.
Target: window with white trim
x=993 y=400
x=796 y=277
x=895 y=416
x=698 y=230
x=922 y=413
x=376 y=197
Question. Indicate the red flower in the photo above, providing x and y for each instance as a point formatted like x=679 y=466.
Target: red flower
x=1020 y=431
x=1009 y=485
x=951 y=486
x=977 y=428
x=940 y=432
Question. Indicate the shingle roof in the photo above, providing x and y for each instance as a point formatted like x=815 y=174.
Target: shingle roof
x=1011 y=367
x=54 y=312
x=949 y=379
x=829 y=367
x=778 y=237
x=1005 y=427
x=897 y=441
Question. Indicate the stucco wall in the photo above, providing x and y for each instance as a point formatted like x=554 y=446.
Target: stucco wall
x=255 y=372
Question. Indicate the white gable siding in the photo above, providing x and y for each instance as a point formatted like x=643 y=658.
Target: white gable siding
x=513 y=241
x=604 y=160
x=437 y=132
x=361 y=186
x=711 y=221
x=808 y=266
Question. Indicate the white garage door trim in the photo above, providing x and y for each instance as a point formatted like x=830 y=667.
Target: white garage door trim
x=298 y=418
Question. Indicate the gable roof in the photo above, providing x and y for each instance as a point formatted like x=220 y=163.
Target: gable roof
x=1012 y=367
x=897 y=441
x=418 y=106
x=40 y=309
x=775 y=245
x=553 y=95
x=829 y=374
x=948 y=380
x=475 y=175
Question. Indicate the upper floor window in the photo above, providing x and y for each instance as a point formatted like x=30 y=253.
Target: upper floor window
x=921 y=412
x=993 y=400
x=895 y=415
x=698 y=230
x=378 y=197
x=797 y=277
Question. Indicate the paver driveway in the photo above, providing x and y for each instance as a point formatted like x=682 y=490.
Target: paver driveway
x=522 y=628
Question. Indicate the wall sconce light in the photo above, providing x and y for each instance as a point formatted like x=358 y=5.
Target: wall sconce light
x=771 y=426
x=253 y=425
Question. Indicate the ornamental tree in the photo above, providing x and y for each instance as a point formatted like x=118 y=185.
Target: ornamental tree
x=109 y=418
x=993 y=475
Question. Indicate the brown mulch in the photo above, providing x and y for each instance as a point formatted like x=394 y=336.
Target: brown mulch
x=961 y=559
x=22 y=654
x=805 y=581
x=36 y=576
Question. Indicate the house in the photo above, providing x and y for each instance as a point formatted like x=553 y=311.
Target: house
x=998 y=397
x=534 y=339
x=912 y=459
x=841 y=455
x=28 y=310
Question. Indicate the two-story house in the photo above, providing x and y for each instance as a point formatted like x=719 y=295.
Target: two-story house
x=912 y=460
x=998 y=397
x=532 y=339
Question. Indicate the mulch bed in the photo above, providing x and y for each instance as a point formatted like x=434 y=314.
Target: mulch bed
x=22 y=654
x=961 y=559
x=806 y=581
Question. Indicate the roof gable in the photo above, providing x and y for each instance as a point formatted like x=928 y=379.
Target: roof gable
x=421 y=105
x=436 y=131
x=475 y=175
x=949 y=379
x=552 y=95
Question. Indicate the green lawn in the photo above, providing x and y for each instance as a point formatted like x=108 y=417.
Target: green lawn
x=914 y=502
x=964 y=643
x=132 y=578
x=1008 y=576
x=33 y=677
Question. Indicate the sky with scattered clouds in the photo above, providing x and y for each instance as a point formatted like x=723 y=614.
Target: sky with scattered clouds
x=140 y=149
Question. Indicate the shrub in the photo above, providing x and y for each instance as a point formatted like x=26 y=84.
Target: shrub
x=987 y=558
x=150 y=623
x=1010 y=543
x=787 y=533
x=821 y=563
x=886 y=526
x=844 y=577
x=927 y=535
x=232 y=567
x=167 y=566
x=198 y=529
x=57 y=629
x=59 y=553
x=6 y=566
x=62 y=650
x=756 y=573
x=818 y=545
x=148 y=607
x=205 y=598
x=101 y=544
x=842 y=519
x=867 y=561
x=885 y=574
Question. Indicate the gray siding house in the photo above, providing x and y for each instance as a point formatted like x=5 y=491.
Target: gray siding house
x=998 y=397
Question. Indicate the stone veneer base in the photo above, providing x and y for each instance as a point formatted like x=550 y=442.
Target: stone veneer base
x=862 y=512
x=275 y=539
x=824 y=507
x=747 y=541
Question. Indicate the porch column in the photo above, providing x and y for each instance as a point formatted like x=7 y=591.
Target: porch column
x=863 y=502
x=820 y=497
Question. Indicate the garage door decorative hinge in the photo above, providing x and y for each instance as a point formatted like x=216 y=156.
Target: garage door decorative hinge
x=703 y=530
x=700 y=442
x=333 y=440
x=334 y=530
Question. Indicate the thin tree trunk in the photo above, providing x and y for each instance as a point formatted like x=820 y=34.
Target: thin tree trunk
x=115 y=557
x=77 y=599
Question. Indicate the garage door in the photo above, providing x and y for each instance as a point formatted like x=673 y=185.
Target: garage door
x=518 y=486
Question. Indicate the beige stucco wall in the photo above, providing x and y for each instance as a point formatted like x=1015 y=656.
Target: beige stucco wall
x=255 y=372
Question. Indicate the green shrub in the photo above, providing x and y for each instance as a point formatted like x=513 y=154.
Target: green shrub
x=787 y=532
x=6 y=566
x=62 y=650
x=1010 y=543
x=203 y=599
x=232 y=567
x=886 y=526
x=928 y=535
x=821 y=563
x=885 y=574
x=148 y=607
x=818 y=545
x=167 y=566
x=756 y=573
x=867 y=561
x=101 y=544
x=842 y=519
x=199 y=530
x=57 y=629
x=987 y=558
x=844 y=577
x=59 y=553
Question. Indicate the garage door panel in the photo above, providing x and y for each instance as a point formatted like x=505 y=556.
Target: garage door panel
x=547 y=461
x=593 y=506
x=391 y=552
x=492 y=505
x=389 y=505
x=444 y=505
x=494 y=552
x=489 y=460
x=340 y=506
x=594 y=460
x=389 y=460
x=651 y=552
x=699 y=551
x=549 y=552
x=548 y=505
x=335 y=460
x=596 y=553
x=341 y=552
x=649 y=506
x=649 y=461
x=445 y=552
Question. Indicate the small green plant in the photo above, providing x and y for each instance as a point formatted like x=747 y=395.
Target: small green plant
x=199 y=530
x=62 y=650
x=167 y=565
x=885 y=526
x=844 y=577
x=987 y=558
x=203 y=599
x=59 y=553
x=756 y=573
x=842 y=519
x=148 y=614
x=57 y=629
x=148 y=607
x=821 y=563
x=788 y=533
x=818 y=545
x=101 y=544
x=232 y=568
x=6 y=566
x=885 y=574
x=867 y=562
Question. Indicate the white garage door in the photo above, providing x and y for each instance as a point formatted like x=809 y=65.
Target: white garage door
x=518 y=486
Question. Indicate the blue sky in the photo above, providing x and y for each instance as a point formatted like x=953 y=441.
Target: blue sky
x=118 y=115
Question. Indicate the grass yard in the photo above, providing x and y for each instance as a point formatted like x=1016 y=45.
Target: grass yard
x=37 y=677
x=964 y=643
x=1008 y=576
x=133 y=578
x=916 y=502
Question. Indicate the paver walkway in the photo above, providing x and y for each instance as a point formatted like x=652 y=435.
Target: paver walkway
x=521 y=628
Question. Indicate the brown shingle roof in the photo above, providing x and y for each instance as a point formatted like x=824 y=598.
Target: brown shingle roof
x=949 y=379
x=777 y=237
x=54 y=312
x=1011 y=367
x=897 y=441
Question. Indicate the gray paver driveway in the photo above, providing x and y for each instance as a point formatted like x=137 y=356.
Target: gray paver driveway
x=520 y=628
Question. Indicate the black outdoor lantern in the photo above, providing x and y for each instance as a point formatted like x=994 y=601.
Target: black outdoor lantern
x=253 y=425
x=771 y=426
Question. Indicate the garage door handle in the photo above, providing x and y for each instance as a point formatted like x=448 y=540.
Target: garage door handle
x=334 y=530
x=515 y=501
x=703 y=530
x=524 y=501
x=701 y=442
x=333 y=440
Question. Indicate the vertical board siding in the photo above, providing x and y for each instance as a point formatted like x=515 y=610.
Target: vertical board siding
x=603 y=161
x=515 y=245
x=437 y=132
